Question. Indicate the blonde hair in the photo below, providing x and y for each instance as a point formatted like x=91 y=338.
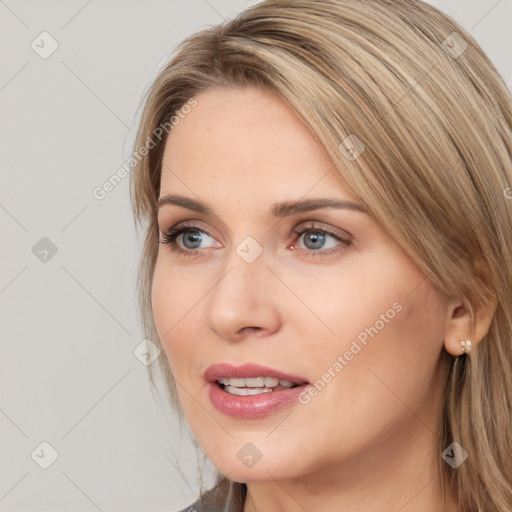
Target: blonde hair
x=435 y=117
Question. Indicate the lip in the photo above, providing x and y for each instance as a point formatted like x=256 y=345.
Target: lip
x=247 y=370
x=250 y=406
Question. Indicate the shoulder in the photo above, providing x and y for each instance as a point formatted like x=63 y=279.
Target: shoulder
x=226 y=496
x=201 y=506
x=195 y=507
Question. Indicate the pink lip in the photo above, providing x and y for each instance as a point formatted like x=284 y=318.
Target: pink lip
x=247 y=370
x=250 y=406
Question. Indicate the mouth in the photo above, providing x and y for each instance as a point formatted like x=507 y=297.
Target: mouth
x=251 y=390
x=254 y=385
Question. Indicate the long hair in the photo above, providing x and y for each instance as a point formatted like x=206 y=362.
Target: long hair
x=431 y=120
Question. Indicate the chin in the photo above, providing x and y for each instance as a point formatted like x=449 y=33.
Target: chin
x=258 y=473
x=249 y=464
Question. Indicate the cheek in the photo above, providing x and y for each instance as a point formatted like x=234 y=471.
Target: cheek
x=175 y=320
x=392 y=372
x=170 y=301
x=162 y=302
x=353 y=302
x=386 y=323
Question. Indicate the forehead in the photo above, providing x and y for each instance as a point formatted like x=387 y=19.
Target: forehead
x=247 y=140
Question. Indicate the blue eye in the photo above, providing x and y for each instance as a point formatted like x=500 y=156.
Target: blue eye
x=193 y=235
x=317 y=237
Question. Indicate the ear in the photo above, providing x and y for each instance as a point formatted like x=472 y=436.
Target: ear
x=460 y=328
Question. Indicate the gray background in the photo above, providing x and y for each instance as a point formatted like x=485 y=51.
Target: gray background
x=69 y=376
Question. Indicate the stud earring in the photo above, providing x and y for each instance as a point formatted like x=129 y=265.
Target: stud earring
x=466 y=346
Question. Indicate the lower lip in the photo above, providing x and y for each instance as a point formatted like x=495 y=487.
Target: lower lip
x=252 y=406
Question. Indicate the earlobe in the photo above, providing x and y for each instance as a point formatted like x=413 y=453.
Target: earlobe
x=461 y=336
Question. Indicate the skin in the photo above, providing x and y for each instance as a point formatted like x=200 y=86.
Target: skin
x=368 y=440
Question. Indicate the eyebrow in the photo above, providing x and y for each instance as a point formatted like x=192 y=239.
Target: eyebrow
x=282 y=209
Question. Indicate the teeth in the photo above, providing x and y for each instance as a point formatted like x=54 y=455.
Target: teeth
x=270 y=382
x=246 y=391
x=255 y=382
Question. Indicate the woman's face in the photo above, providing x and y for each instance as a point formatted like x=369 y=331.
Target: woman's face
x=344 y=309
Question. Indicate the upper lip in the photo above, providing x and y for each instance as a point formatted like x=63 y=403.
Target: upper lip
x=248 y=370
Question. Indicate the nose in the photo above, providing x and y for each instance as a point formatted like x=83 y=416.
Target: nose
x=244 y=301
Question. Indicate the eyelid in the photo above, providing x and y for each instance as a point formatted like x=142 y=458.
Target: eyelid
x=190 y=223
x=322 y=226
x=301 y=225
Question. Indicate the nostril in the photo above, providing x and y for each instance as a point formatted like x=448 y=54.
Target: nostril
x=250 y=329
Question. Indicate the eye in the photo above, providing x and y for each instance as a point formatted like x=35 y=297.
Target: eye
x=191 y=237
x=315 y=238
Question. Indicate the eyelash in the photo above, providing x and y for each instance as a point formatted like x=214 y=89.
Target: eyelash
x=170 y=239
